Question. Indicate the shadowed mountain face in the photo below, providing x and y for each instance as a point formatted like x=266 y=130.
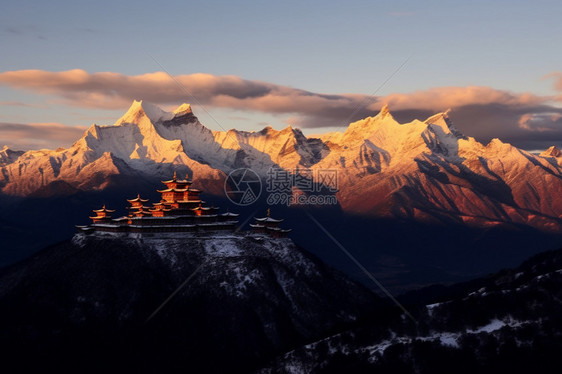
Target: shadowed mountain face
x=83 y=306
x=508 y=322
x=245 y=304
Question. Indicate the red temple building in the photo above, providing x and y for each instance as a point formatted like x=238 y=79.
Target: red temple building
x=102 y=215
x=179 y=210
x=269 y=225
x=137 y=208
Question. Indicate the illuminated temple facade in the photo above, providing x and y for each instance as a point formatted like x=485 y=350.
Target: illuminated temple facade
x=269 y=225
x=179 y=210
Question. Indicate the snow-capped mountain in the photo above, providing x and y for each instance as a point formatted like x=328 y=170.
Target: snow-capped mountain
x=132 y=146
x=151 y=142
x=422 y=170
x=430 y=171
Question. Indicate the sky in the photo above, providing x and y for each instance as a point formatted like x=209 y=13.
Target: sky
x=316 y=65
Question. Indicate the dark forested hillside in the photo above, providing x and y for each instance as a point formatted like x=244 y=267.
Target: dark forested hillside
x=86 y=305
x=509 y=322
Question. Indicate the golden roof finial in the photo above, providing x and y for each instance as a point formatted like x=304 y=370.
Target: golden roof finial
x=268 y=212
x=175 y=175
x=186 y=176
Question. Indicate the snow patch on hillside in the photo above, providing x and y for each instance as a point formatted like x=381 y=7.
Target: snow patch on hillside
x=223 y=248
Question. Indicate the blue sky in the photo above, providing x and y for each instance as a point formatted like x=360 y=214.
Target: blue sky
x=321 y=47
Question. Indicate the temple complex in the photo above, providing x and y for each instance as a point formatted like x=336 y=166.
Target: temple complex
x=179 y=210
x=269 y=225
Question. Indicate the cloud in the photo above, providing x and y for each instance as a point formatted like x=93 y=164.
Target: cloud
x=38 y=135
x=482 y=112
x=22 y=104
x=112 y=91
x=527 y=127
x=557 y=77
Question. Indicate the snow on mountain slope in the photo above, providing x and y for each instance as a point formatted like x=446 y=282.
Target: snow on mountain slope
x=149 y=141
x=7 y=156
x=430 y=171
x=288 y=148
x=132 y=146
x=423 y=170
x=150 y=111
x=553 y=155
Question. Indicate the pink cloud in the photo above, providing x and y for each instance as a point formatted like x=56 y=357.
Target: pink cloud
x=483 y=112
x=19 y=103
x=452 y=97
x=49 y=135
x=557 y=77
x=113 y=90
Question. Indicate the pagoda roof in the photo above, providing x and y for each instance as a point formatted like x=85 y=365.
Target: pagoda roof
x=103 y=209
x=229 y=214
x=138 y=198
x=98 y=217
x=104 y=225
x=268 y=219
x=85 y=228
x=211 y=224
x=173 y=190
x=204 y=208
x=180 y=181
x=277 y=229
x=176 y=180
x=159 y=226
x=257 y=225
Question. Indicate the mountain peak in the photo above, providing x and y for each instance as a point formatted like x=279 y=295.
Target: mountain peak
x=267 y=129
x=288 y=129
x=442 y=119
x=362 y=128
x=552 y=151
x=384 y=111
x=182 y=110
x=442 y=116
x=140 y=107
